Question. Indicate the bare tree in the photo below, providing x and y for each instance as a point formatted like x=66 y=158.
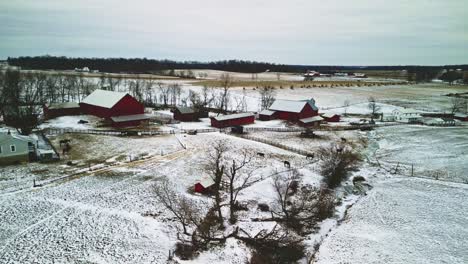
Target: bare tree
x=267 y=97
x=336 y=162
x=224 y=96
x=164 y=93
x=175 y=90
x=373 y=106
x=346 y=105
x=458 y=104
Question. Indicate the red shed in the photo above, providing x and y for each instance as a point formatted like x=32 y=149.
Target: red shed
x=203 y=186
x=106 y=104
x=128 y=120
x=329 y=117
x=294 y=110
x=61 y=109
x=266 y=115
x=232 y=120
x=461 y=117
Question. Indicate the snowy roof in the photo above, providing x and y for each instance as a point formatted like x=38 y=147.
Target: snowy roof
x=311 y=119
x=292 y=106
x=185 y=110
x=126 y=118
x=63 y=105
x=329 y=115
x=267 y=112
x=102 y=98
x=407 y=111
x=233 y=116
x=206 y=182
x=460 y=115
x=4 y=136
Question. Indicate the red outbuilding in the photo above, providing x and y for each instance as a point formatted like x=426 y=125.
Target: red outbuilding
x=203 y=186
x=61 y=109
x=461 y=117
x=329 y=117
x=294 y=110
x=185 y=114
x=314 y=121
x=232 y=120
x=106 y=104
x=266 y=115
x=120 y=109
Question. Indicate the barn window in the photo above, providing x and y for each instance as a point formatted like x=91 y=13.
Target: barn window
x=13 y=148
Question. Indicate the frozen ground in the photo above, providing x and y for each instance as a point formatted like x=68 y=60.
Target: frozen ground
x=403 y=220
x=71 y=122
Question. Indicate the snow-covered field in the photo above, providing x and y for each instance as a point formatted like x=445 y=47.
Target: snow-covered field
x=112 y=216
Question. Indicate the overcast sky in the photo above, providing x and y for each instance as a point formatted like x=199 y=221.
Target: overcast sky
x=332 y=32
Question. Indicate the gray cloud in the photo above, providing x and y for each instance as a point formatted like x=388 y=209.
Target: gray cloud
x=362 y=32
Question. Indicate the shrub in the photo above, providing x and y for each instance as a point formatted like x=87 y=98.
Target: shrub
x=336 y=162
x=263 y=207
x=185 y=251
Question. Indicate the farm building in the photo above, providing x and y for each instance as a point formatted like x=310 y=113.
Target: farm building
x=407 y=115
x=188 y=114
x=128 y=120
x=266 y=115
x=61 y=109
x=204 y=185
x=232 y=120
x=461 y=117
x=314 y=121
x=441 y=121
x=106 y=104
x=294 y=110
x=120 y=109
x=330 y=117
x=16 y=148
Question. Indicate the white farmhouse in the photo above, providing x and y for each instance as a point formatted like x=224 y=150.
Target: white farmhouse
x=407 y=115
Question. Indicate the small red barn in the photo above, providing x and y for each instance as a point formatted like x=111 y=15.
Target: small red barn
x=128 y=120
x=266 y=115
x=203 y=186
x=232 y=120
x=107 y=104
x=314 y=121
x=330 y=117
x=461 y=117
x=294 y=110
x=61 y=109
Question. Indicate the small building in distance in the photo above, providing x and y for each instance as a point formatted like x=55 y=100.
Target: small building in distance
x=120 y=109
x=16 y=149
x=314 y=121
x=441 y=121
x=294 y=110
x=266 y=115
x=232 y=120
x=188 y=114
x=203 y=186
x=61 y=109
x=461 y=117
x=330 y=117
x=407 y=115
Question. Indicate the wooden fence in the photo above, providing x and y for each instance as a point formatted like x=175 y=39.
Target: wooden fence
x=277 y=144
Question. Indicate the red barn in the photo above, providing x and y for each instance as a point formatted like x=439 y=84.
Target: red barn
x=185 y=114
x=331 y=117
x=266 y=115
x=232 y=120
x=61 y=109
x=120 y=109
x=294 y=110
x=106 y=104
x=461 y=117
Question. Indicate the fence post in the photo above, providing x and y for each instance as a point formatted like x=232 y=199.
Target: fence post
x=412 y=170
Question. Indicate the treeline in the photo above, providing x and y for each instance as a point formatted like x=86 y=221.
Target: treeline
x=144 y=65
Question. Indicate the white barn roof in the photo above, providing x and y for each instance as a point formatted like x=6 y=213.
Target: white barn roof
x=292 y=106
x=102 y=98
x=311 y=119
x=126 y=118
x=267 y=112
x=233 y=116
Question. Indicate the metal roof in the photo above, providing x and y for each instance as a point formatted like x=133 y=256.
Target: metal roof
x=329 y=115
x=233 y=116
x=102 y=98
x=267 y=112
x=292 y=106
x=460 y=115
x=407 y=111
x=185 y=110
x=63 y=105
x=206 y=182
x=126 y=118
x=311 y=119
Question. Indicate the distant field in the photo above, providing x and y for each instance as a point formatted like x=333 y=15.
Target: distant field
x=296 y=84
